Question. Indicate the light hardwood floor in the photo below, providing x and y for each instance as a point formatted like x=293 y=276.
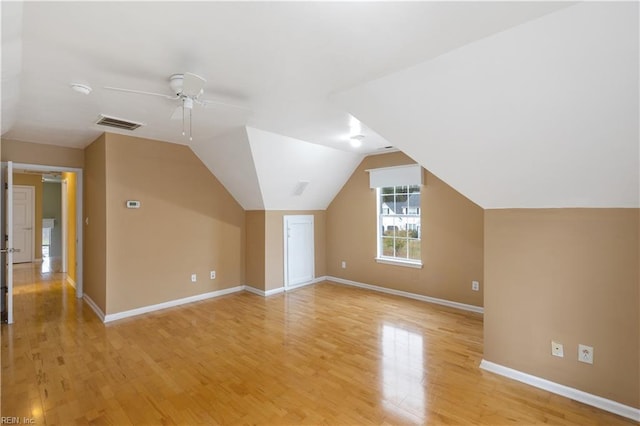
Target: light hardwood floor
x=323 y=354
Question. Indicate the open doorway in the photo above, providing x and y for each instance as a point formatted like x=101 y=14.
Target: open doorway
x=57 y=226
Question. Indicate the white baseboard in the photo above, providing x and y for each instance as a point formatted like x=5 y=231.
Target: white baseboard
x=572 y=393
x=262 y=292
x=254 y=290
x=449 y=303
x=94 y=307
x=281 y=289
x=71 y=282
x=171 y=303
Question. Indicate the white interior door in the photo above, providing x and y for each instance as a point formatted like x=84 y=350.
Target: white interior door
x=6 y=210
x=23 y=223
x=299 y=258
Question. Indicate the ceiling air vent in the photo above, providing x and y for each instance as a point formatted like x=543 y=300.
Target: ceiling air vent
x=118 y=123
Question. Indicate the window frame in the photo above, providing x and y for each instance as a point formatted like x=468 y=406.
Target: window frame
x=380 y=258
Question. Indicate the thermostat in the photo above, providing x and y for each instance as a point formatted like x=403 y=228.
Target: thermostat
x=133 y=204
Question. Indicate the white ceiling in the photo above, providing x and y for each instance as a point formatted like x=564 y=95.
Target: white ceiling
x=542 y=115
x=293 y=65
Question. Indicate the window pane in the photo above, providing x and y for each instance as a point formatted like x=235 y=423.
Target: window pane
x=386 y=202
x=413 y=227
x=414 y=249
x=414 y=201
x=401 y=201
x=387 y=246
x=401 y=248
x=414 y=188
x=388 y=225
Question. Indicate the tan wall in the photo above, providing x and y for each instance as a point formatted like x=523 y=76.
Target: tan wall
x=274 y=244
x=35 y=181
x=452 y=238
x=255 y=244
x=570 y=275
x=35 y=153
x=188 y=223
x=95 y=232
x=71 y=186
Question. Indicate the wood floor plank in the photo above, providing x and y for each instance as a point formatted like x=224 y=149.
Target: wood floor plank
x=320 y=355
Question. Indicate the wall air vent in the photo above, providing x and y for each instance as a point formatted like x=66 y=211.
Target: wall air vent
x=118 y=123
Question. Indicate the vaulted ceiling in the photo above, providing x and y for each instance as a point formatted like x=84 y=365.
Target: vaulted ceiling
x=515 y=104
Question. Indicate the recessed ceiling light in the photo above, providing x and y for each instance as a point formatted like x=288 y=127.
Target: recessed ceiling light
x=81 y=88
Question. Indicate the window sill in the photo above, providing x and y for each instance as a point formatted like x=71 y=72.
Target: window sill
x=407 y=264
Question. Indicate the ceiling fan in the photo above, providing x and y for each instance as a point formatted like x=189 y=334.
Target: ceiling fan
x=187 y=89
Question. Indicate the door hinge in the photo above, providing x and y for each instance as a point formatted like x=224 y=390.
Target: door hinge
x=6 y=185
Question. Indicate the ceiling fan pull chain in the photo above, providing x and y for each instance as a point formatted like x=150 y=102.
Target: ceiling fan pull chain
x=183 y=132
x=190 y=128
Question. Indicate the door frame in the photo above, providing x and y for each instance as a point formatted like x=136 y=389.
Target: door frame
x=65 y=220
x=32 y=255
x=287 y=286
x=79 y=213
x=6 y=215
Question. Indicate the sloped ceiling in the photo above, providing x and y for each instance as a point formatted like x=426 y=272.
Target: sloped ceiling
x=262 y=170
x=515 y=104
x=231 y=161
x=282 y=163
x=541 y=115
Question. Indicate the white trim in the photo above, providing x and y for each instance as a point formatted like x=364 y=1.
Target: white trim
x=406 y=174
x=262 y=292
x=171 y=304
x=9 y=242
x=566 y=391
x=274 y=291
x=397 y=262
x=283 y=288
x=71 y=282
x=449 y=303
x=254 y=290
x=64 y=220
x=93 y=306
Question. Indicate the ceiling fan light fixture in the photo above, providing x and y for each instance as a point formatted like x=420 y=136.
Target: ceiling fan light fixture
x=81 y=88
x=176 y=82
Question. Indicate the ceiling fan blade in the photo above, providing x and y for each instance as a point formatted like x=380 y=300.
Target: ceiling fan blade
x=177 y=113
x=140 y=92
x=193 y=85
x=214 y=104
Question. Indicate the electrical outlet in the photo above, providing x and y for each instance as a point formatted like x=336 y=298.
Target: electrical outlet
x=585 y=354
x=475 y=285
x=344 y=265
x=557 y=349
x=212 y=275
x=194 y=278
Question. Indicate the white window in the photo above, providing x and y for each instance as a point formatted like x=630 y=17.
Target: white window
x=399 y=224
x=398 y=210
